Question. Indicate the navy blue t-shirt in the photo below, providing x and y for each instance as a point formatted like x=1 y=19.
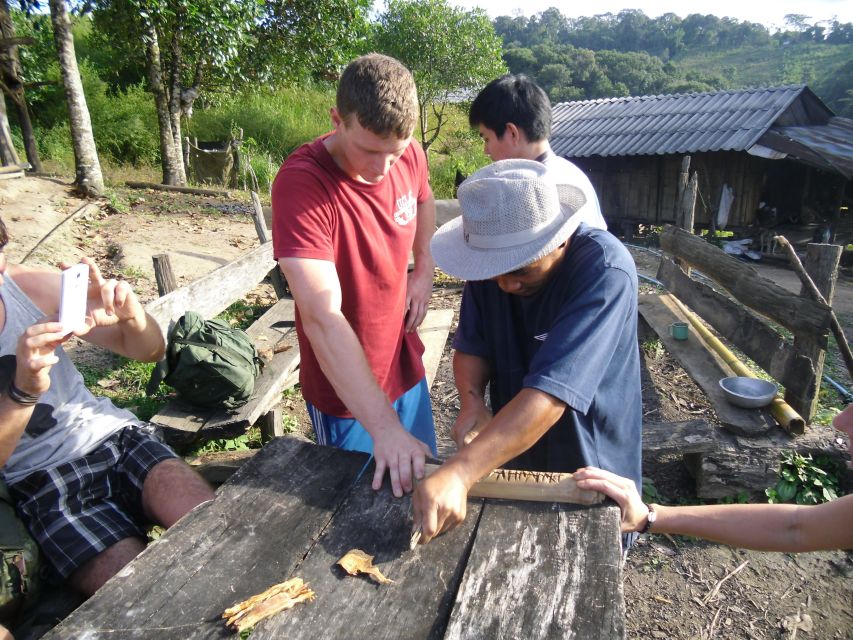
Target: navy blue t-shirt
x=576 y=339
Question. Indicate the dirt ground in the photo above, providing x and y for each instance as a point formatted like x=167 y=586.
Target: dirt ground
x=674 y=587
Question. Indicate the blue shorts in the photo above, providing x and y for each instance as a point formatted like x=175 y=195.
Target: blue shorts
x=413 y=408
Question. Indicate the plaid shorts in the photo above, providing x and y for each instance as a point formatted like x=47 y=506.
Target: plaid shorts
x=80 y=508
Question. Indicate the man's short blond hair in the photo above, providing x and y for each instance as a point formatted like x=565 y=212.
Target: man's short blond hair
x=381 y=93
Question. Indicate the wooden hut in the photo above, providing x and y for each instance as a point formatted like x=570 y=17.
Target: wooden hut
x=781 y=145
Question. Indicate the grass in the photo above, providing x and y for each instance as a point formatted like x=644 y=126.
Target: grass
x=125 y=386
x=272 y=123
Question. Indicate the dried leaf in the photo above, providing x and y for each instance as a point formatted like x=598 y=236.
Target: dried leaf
x=356 y=561
x=279 y=597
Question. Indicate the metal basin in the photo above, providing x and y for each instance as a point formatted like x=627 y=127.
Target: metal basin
x=749 y=393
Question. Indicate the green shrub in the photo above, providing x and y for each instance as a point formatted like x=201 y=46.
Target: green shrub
x=806 y=480
x=276 y=121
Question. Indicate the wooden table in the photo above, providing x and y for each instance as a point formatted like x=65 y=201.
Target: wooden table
x=512 y=570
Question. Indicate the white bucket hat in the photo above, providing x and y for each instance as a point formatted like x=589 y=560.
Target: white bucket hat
x=514 y=212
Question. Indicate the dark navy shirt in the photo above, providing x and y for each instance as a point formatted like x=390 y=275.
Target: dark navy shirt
x=575 y=339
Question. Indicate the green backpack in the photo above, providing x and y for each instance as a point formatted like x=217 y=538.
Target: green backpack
x=19 y=559
x=211 y=364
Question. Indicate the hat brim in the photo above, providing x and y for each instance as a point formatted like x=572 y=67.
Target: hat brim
x=456 y=258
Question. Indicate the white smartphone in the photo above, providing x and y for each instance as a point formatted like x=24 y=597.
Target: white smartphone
x=72 y=297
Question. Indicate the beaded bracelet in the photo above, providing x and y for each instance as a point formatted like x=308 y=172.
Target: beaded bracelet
x=20 y=397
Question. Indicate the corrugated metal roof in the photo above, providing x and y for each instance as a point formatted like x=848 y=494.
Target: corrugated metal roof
x=678 y=123
x=828 y=146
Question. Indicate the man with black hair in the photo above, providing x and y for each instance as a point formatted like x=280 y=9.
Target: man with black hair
x=513 y=116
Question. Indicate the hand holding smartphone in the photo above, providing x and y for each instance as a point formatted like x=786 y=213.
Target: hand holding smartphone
x=72 y=298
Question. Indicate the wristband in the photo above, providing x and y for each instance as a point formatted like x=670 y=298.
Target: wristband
x=650 y=520
x=20 y=397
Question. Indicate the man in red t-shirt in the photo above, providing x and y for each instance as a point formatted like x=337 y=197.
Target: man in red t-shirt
x=348 y=208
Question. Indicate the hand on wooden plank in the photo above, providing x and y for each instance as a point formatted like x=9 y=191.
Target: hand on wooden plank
x=623 y=490
x=508 y=484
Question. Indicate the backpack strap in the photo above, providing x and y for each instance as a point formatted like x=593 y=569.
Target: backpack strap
x=158 y=374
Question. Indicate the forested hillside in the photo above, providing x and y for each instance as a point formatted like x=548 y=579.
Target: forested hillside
x=631 y=54
x=265 y=69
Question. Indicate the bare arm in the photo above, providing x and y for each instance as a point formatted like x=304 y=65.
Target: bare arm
x=765 y=527
x=34 y=356
x=317 y=292
x=439 y=502
x=115 y=319
x=419 y=289
x=472 y=375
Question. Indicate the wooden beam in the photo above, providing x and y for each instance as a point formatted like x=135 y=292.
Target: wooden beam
x=264 y=235
x=433 y=332
x=799 y=315
x=822 y=263
x=746 y=331
x=212 y=293
x=178 y=189
x=17 y=41
x=693 y=436
x=537 y=486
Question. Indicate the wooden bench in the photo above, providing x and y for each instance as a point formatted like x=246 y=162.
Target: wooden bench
x=745 y=451
x=274 y=335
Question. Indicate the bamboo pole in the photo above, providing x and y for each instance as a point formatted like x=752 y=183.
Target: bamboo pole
x=782 y=412
x=809 y=284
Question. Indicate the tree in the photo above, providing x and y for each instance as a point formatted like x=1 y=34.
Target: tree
x=11 y=81
x=447 y=49
x=310 y=38
x=185 y=46
x=88 y=169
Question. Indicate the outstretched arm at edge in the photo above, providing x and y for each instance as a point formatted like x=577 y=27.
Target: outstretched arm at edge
x=764 y=527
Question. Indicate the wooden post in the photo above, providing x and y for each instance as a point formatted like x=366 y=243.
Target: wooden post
x=822 y=267
x=685 y=204
x=683 y=178
x=271 y=424
x=276 y=276
x=166 y=282
x=258 y=218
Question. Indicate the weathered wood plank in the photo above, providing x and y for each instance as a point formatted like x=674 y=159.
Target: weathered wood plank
x=693 y=436
x=214 y=292
x=790 y=310
x=446 y=210
x=542 y=571
x=433 y=332
x=819 y=277
x=703 y=366
x=416 y=605
x=264 y=520
x=740 y=327
x=180 y=422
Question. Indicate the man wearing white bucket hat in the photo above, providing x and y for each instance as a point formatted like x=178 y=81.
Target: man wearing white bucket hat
x=549 y=323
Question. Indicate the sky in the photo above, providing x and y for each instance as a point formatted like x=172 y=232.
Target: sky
x=772 y=14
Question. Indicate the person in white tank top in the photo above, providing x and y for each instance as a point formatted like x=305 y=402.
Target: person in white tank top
x=53 y=431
